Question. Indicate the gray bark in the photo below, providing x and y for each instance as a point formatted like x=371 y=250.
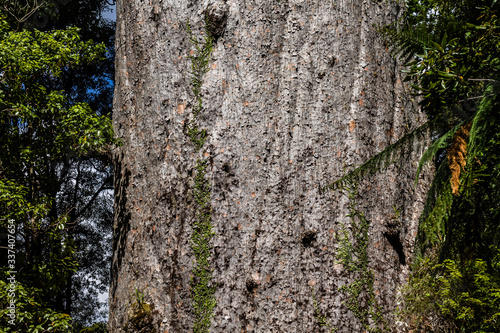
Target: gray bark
x=299 y=91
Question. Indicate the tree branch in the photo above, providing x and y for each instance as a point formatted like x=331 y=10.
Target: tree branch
x=94 y=197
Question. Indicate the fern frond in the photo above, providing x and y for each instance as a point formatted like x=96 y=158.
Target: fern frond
x=383 y=159
x=440 y=143
x=440 y=195
x=434 y=215
x=477 y=132
x=407 y=42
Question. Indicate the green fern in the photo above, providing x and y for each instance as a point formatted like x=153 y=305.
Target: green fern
x=440 y=143
x=388 y=156
x=480 y=122
x=407 y=43
x=431 y=227
x=439 y=198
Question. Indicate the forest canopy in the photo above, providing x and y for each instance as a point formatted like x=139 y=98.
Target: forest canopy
x=55 y=132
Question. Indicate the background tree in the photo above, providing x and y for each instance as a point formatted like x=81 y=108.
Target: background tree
x=88 y=188
x=93 y=84
x=52 y=150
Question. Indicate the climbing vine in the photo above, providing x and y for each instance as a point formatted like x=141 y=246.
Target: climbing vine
x=202 y=292
x=354 y=257
x=199 y=67
x=321 y=318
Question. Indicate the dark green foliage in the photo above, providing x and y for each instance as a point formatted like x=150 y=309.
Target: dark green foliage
x=452 y=55
x=32 y=314
x=93 y=83
x=453 y=60
x=463 y=230
x=90 y=83
x=48 y=141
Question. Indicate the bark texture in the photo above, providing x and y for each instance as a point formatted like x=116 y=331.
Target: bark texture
x=299 y=91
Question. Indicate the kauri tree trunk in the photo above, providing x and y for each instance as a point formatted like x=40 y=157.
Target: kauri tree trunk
x=297 y=93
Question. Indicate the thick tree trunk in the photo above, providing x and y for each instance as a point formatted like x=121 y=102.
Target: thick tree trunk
x=298 y=92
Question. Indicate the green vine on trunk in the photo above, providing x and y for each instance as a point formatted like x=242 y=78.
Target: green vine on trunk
x=354 y=257
x=199 y=67
x=203 y=293
x=319 y=316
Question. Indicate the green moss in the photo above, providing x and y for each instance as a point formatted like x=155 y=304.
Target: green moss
x=199 y=67
x=320 y=317
x=354 y=257
x=203 y=293
x=140 y=315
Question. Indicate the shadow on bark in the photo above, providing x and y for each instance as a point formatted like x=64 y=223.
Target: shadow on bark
x=122 y=222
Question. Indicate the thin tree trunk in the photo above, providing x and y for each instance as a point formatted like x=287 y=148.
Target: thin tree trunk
x=298 y=92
